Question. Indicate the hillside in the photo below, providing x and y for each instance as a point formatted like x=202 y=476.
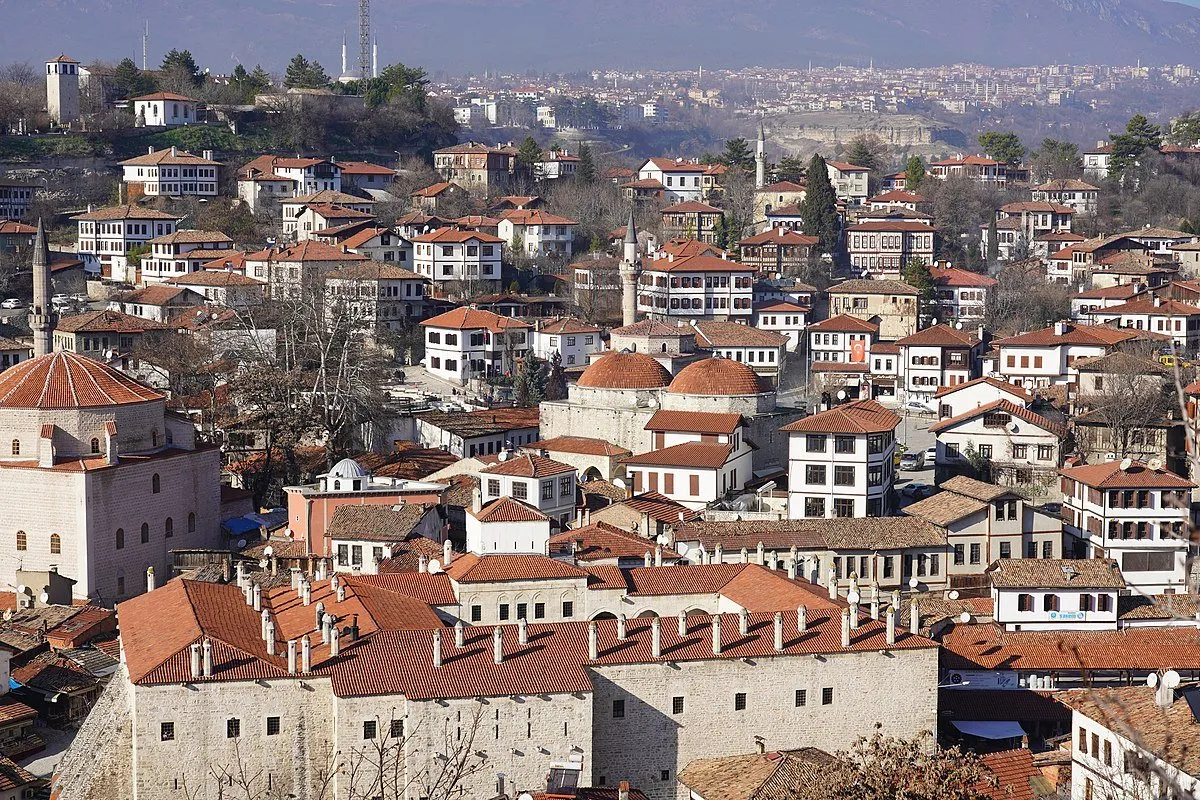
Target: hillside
x=523 y=34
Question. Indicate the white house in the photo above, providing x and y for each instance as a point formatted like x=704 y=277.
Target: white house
x=182 y=252
x=458 y=263
x=1044 y=357
x=695 y=287
x=936 y=357
x=762 y=350
x=172 y=172
x=1019 y=446
x=274 y=177
x=1035 y=594
x=955 y=400
x=693 y=468
x=783 y=318
x=1072 y=192
x=377 y=296
x=682 y=180
x=849 y=181
x=842 y=339
x=223 y=287
x=573 y=339
x=1104 y=297
x=960 y=295
x=113 y=231
x=361 y=536
x=466 y=343
x=534 y=233
x=507 y=525
x=1180 y=321
x=164 y=109
x=1134 y=514
x=293 y=208
x=1096 y=161
x=545 y=484
x=884 y=248
x=841 y=462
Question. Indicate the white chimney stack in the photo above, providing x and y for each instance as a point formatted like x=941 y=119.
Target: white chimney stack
x=743 y=621
x=914 y=617
x=621 y=627
x=853 y=616
x=150 y=578
x=745 y=556
x=208 y=662
x=498 y=644
x=335 y=640
x=761 y=555
x=778 y=631
x=460 y=633
x=791 y=570
x=291 y=656
x=270 y=638
x=196 y=660
x=265 y=619
x=523 y=631
x=447 y=553
x=341 y=593
x=891 y=625
x=648 y=560
x=658 y=555
x=656 y=637
x=423 y=564
x=437 y=648
x=320 y=615
x=306 y=655
x=845 y=627
x=683 y=629
x=719 y=554
x=716 y=634
x=295 y=579
x=258 y=597
x=875 y=606
x=801 y=619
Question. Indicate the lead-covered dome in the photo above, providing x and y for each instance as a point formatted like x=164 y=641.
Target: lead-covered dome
x=625 y=371
x=720 y=377
x=348 y=468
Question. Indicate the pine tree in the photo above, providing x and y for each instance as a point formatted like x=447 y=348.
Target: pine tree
x=304 y=74
x=993 y=242
x=1004 y=147
x=914 y=173
x=132 y=81
x=529 y=387
x=737 y=153
x=586 y=173
x=180 y=65
x=918 y=275
x=1140 y=135
x=556 y=380
x=529 y=153
x=819 y=209
x=790 y=168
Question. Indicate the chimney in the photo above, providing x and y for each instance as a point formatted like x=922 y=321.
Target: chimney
x=778 y=631
x=719 y=554
x=773 y=560
x=333 y=583
x=743 y=621
x=320 y=614
x=150 y=578
x=891 y=625
x=845 y=627
x=460 y=633
x=208 y=663
x=656 y=637
x=498 y=644
x=593 y=641
x=291 y=656
x=341 y=593
x=1164 y=692
x=1157 y=301
x=683 y=628
x=833 y=587
x=335 y=640
x=195 y=660
x=801 y=619
x=270 y=637
x=648 y=559
x=174 y=151
x=150 y=150
x=265 y=619
x=761 y=555
x=207 y=155
x=792 y=570
x=716 y=634
x=306 y=655
x=258 y=597
x=523 y=631
x=623 y=791
x=853 y=615
x=658 y=555
x=447 y=553
x=745 y=556
x=437 y=649
x=295 y=578
x=476 y=500
x=248 y=593
x=914 y=617
x=1060 y=328
x=621 y=620
x=423 y=564
x=306 y=592
x=875 y=606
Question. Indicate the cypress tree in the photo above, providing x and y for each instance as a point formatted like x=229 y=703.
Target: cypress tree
x=819 y=209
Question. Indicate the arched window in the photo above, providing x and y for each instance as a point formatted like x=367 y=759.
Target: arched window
x=95 y=445
x=22 y=540
x=16 y=447
x=55 y=543
x=145 y=532
x=155 y=483
x=169 y=528
x=191 y=523
x=337 y=485
x=120 y=538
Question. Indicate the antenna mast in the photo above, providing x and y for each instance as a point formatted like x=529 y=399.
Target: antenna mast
x=364 y=39
x=145 y=44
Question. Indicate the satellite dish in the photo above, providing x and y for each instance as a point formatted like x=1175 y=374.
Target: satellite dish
x=841 y=395
x=268 y=551
x=1155 y=463
x=1126 y=463
x=22 y=589
x=913 y=582
x=853 y=597
x=434 y=567
x=1152 y=680
x=954 y=595
x=1171 y=679
x=291 y=534
x=503 y=455
x=1013 y=427
x=241 y=543
x=619 y=483
x=964 y=617
x=45 y=598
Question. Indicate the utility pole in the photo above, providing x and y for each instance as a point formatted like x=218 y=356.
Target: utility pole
x=364 y=39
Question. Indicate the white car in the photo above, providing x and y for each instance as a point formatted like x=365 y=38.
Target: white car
x=931 y=456
x=13 y=302
x=917 y=407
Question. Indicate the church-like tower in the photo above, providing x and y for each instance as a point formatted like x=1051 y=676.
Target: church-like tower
x=62 y=89
x=41 y=316
x=629 y=273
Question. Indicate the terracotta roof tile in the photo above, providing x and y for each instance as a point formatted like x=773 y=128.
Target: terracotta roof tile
x=699 y=455
x=68 y=380
x=529 y=465
x=863 y=286
x=866 y=533
x=580 y=445
x=845 y=323
x=124 y=212
x=465 y=318
x=785 y=775
x=471 y=568
x=1038 y=573
x=624 y=371
x=734 y=334
x=506 y=509
x=861 y=416
x=1109 y=475
x=1170 y=733
x=603 y=541
x=722 y=377
x=375 y=523
x=1004 y=386
x=940 y=336
x=989 y=646
x=694 y=421
x=1005 y=407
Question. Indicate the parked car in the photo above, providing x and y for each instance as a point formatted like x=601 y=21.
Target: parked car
x=913 y=460
x=917 y=407
x=13 y=302
x=918 y=491
x=931 y=455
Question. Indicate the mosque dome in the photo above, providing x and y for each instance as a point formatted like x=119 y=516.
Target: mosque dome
x=625 y=371
x=348 y=468
x=720 y=377
x=69 y=380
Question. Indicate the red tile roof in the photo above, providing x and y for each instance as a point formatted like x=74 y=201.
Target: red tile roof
x=580 y=445
x=898 y=196
x=1109 y=475
x=1148 y=305
x=940 y=336
x=625 y=371
x=129 y=211
x=1006 y=407
x=562 y=326
x=694 y=421
x=465 y=318
x=603 y=541
x=1013 y=770
x=471 y=568
x=861 y=416
x=989 y=646
x=996 y=383
x=780 y=236
x=534 y=216
x=165 y=96
x=68 y=380
x=529 y=465
x=718 y=377
x=734 y=334
x=698 y=455
x=893 y=226
x=953 y=276
x=1073 y=333
x=307 y=250
x=691 y=207
x=845 y=323
x=456 y=236
x=697 y=263
x=507 y=509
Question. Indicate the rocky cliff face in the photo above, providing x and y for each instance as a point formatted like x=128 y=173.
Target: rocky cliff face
x=524 y=34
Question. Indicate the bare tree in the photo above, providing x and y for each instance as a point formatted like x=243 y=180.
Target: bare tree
x=886 y=768
x=1023 y=300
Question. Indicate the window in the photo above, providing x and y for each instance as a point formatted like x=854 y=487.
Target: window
x=476 y=613
x=801 y=698
x=814 y=474
x=1050 y=602
x=370 y=728
x=676 y=705
x=1087 y=602
x=493 y=487
x=1147 y=562
x=504 y=611
x=22 y=540
x=843 y=507
x=843 y=444
x=568 y=608
x=191 y=523
x=1048 y=549
x=1104 y=602
x=55 y=544
x=1006 y=549
x=1020 y=451
x=547 y=490
x=1024 y=602
x=145 y=533
x=815 y=443
x=618 y=709
x=739 y=701
x=166 y=731
x=889 y=566
x=827 y=696
x=95 y=445
x=169 y=528
x=522 y=610
x=960 y=557
x=843 y=476
x=1045 y=452
x=1108 y=753
x=539 y=610
x=1083 y=741
x=155 y=483
x=233 y=728
x=272 y=726
x=814 y=506
x=120 y=537
x=397 y=729
x=975 y=556
x=520 y=491
x=985 y=451
x=16 y=447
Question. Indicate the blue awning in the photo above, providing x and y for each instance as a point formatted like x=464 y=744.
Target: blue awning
x=239 y=526
x=989 y=729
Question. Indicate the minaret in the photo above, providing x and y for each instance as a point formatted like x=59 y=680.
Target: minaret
x=628 y=272
x=760 y=158
x=41 y=316
x=344 y=72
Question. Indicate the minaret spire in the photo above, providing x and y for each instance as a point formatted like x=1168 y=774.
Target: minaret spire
x=41 y=317
x=628 y=271
x=760 y=158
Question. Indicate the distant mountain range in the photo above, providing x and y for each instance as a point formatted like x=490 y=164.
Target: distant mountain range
x=565 y=35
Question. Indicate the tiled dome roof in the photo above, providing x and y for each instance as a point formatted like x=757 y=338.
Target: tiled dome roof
x=625 y=371
x=69 y=380
x=718 y=376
